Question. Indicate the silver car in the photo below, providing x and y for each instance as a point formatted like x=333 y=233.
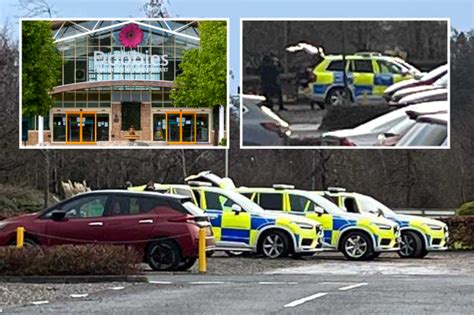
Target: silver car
x=261 y=126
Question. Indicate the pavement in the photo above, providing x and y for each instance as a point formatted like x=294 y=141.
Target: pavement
x=443 y=283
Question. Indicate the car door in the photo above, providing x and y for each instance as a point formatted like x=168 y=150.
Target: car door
x=386 y=74
x=362 y=71
x=298 y=204
x=230 y=228
x=83 y=222
x=131 y=218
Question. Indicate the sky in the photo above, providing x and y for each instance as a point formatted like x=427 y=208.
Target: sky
x=461 y=13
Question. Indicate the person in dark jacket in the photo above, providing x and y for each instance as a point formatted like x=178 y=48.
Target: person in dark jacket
x=269 y=72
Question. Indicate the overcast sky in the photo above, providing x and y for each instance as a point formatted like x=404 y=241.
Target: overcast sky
x=461 y=12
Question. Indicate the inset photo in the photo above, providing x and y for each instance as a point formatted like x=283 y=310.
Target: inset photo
x=372 y=83
x=124 y=83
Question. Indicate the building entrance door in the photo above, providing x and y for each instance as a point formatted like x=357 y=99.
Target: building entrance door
x=181 y=128
x=81 y=128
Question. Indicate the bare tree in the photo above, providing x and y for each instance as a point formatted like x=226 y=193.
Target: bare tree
x=156 y=9
x=36 y=8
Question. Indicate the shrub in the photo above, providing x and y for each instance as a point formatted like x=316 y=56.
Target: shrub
x=69 y=260
x=466 y=209
x=461 y=231
x=15 y=200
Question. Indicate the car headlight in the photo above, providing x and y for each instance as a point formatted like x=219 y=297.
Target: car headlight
x=434 y=227
x=303 y=225
x=382 y=226
x=3 y=225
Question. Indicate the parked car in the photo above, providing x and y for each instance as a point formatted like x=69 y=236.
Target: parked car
x=419 y=235
x=164 y=228
x=260 y=125
x=429 y=130
x=441 y=83
x=357 y=236
x=241 y=225
x=367 y=78
x=367 y=134
x=423 y=97
x=427 y=79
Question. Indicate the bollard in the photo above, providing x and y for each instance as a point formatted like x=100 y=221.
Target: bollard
x=202 y=251
x=20 y=237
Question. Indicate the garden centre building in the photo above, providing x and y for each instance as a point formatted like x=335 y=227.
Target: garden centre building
x=116 y=82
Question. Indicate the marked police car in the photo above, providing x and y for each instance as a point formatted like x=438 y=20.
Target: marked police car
x=357 y=236
x=419 y=235
x=367 y=78
x=239 y=224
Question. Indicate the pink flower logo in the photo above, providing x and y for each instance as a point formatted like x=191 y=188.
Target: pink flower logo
x=131 y=36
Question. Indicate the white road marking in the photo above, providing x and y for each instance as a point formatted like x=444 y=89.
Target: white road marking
x=275 y=282
x=306 y=299
x=353 y=286
x=116 y=288
x=40 y=302
x=160 y=282
x=207 y=282
x=79 y=295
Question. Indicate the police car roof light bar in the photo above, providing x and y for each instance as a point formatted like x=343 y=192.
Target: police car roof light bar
x=283 y=186
x=336 y=189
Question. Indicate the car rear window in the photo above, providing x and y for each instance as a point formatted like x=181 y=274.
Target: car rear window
x=271 y=201
x=336 y=65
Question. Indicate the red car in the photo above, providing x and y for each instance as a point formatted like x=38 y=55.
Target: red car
x=164 y=228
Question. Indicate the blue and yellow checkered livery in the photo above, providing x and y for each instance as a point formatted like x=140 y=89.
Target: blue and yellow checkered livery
x=368 y=81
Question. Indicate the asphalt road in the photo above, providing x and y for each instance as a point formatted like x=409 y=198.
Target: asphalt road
x=333 y=286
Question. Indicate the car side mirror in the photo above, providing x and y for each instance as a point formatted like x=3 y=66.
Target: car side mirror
x=236 y=208
x=318 y=210
x=58 y=215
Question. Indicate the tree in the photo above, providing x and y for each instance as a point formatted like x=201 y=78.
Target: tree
x=41 y=67
x=155 y=9
x=203 y=80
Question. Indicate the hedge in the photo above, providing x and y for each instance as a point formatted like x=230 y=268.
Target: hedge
x=461 y=231
x=69 y=260
x=466 y=209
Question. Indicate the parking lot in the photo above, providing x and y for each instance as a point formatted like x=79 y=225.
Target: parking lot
x=441 y=283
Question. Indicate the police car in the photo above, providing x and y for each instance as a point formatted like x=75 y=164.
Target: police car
x=367 y=78
x=240 y=225
x=419 y=235
x=357 y=236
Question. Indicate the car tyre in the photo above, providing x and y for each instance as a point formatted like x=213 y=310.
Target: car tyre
x=411 y=245
x=274 y=244
x=236 y=253
x=337 y=97
x=163 y=255
x=186 y=263
x=357 y=246
x=28 y=242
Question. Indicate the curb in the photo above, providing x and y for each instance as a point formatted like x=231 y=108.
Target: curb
x=74 y=279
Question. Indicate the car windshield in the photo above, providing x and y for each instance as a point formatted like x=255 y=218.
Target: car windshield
x=323 y=202
x=424 y=134
x=246 y=204
x=367 y=204
x=193 y=209
x=434 y=73
x=442 y=82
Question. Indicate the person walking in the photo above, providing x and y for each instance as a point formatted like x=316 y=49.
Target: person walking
x=269 y=72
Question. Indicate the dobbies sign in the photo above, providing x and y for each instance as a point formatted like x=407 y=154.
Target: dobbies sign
x=130 y=37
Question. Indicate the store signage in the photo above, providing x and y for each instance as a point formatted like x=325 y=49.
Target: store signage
x=103 y=62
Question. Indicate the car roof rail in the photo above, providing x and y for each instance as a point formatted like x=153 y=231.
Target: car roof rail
x=195 y=183
x=368 y=53
x=414 y=114
x=283 y=186
x=336 y=189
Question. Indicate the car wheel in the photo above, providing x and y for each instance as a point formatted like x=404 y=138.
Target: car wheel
x=357 y=246
x=163 y=255
x=274 y=244
x=337 y=97
x=28 y=243
x=411 y=245
x=186 y=263
x=234 y=253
